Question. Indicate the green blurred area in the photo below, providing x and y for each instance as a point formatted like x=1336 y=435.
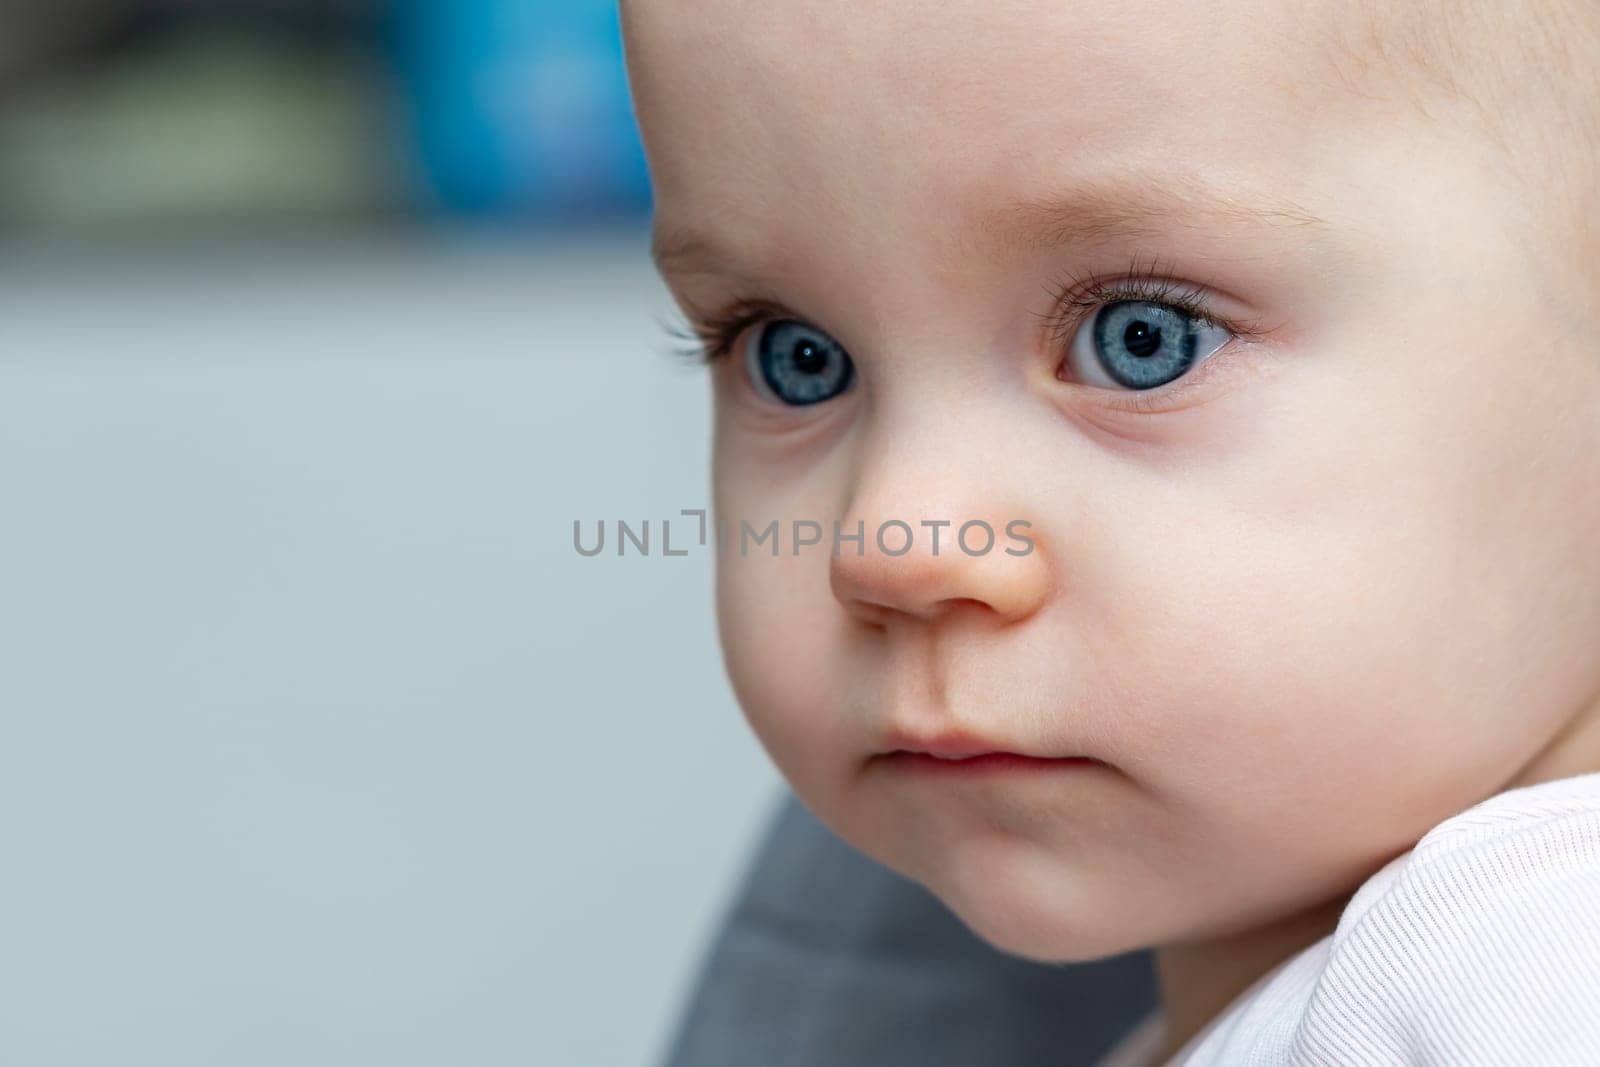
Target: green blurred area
x=118 y=116
x=212 y=125
x=121 y=117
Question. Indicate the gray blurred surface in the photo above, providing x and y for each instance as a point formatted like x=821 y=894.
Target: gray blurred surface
x=319 y=744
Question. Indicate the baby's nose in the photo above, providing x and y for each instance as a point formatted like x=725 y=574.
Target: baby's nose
x=921 y=538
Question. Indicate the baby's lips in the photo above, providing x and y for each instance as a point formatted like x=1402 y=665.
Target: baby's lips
x=958 y=744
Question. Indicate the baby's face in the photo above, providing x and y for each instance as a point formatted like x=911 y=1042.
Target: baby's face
x=1307 y=442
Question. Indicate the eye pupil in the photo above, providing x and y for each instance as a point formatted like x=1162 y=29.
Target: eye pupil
x=808 y=358
x=1141 y=339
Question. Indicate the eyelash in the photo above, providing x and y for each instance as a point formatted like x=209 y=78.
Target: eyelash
x=710 y=337
x=1074 y=298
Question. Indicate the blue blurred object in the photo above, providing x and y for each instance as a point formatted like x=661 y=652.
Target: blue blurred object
x=521 y=107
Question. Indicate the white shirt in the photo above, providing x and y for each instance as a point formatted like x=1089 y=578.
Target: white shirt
x=1480 y=946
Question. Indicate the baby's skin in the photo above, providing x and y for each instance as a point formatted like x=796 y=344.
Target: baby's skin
x=1292 y=380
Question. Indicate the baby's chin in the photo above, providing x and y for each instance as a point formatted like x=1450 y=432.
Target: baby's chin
x=1028 y=902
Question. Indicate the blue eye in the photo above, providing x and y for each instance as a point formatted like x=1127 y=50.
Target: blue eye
x=1142 y=344
x=797 y=364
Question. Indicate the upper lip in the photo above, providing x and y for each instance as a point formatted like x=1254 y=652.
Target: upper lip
x=946 y=744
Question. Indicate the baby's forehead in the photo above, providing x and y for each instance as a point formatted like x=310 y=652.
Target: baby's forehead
x=979 y=80
x=802 y=126
x=812 y=107
x=1026 y=62
x=963 y=50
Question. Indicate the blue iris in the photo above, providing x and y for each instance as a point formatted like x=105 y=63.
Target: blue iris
x=1142 y=344
x=800 y=364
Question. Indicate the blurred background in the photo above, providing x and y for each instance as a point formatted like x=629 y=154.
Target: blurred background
x=321 y=321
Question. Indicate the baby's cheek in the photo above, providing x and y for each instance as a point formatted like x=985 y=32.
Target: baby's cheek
x=778 y=627
x=1280 y=634
x=1259 y=726
x=1318 y=689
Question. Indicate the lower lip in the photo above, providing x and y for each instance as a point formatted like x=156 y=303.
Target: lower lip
x=988 y=763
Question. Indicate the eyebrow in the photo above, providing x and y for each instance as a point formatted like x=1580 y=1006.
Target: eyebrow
x=1140 y=206
x=677 y=251
x=1086 y=216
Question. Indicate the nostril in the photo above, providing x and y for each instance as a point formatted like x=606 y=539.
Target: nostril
x=870 y=612
x=962 y=605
